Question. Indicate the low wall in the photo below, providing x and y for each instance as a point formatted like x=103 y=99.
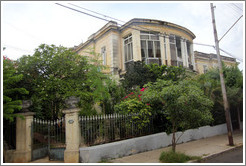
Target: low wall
x=136 y=145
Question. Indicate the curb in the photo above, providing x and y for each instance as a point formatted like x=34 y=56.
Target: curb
x=215 y=154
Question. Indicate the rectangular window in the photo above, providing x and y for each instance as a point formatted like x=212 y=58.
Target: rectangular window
x=165 y=49
x=150 y=47
x=157 y=49
x=128 y=48
x=178 y=46
x=173 y=47
x=143 y=49
x=188 y=51
x=103 y=54
x=172 y=39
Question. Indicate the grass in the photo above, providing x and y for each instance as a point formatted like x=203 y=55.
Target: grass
x=105 y=160
x=176 y=157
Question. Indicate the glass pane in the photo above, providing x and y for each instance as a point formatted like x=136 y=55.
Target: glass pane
x=173 y=51
x=143 y=49
x=157 y=49
x=154 y=37
x=171 y=39
x=128 y=52
x=131 y=52
x=188 y=48
x=144 y=37
x=130 y=39
x=178 y=45
x=150 y=49
x=126 y=41
x=125 y=50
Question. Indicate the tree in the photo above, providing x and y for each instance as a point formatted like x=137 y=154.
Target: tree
x=138 y=74
x=11 y=90
x=210 y=83
x=52 y=74
x=184 y=104
x=132 y=105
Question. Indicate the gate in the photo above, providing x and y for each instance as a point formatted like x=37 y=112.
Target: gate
x=48 y=139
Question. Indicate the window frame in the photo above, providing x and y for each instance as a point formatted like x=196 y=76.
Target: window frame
x=103 y=54
x=150 y=38
x=128 y=48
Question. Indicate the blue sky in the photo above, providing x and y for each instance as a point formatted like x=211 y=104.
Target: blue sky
x=26 y=25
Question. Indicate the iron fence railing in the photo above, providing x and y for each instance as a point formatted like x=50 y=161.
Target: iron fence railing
x=9 y=134
x=47 y=133
x=102 y=129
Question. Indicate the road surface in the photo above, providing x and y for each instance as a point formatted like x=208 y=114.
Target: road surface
x=234 y=156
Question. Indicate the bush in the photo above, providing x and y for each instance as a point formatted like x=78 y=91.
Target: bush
x=176 y=157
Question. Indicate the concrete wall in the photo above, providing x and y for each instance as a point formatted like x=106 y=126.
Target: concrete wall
x=136 y=145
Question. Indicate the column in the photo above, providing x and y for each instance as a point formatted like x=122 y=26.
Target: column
x=71 y=154
x=24 y=135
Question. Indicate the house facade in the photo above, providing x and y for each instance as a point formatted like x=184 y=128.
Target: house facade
x=205 y=61
x=151 y=41
x=148 y=40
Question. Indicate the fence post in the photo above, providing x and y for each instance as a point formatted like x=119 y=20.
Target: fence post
x=24 y=134
x=71 y=154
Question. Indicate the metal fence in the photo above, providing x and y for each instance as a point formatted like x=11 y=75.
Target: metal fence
x=9 y=134
x=47 y=133
x=102 y=129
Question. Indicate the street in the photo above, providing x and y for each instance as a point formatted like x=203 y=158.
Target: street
x=234 y=156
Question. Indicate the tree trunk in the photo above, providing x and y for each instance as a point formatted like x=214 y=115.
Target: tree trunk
x=238 y=117
x=174 y=138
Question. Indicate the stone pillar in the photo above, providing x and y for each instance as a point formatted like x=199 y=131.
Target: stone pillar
x=71 y=154
x=23 y=135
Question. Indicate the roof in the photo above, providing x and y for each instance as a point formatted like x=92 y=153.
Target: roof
x=212 y=56
x=112 y=25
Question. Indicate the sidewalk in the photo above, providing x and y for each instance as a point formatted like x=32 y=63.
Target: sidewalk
x=204 y=147
x=207 y=147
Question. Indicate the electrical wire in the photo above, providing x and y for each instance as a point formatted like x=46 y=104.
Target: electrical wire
x=129 y=26
x=230 y=27
x=96 y=13
x=82 y=12
x=230 y=6
x=237 y=6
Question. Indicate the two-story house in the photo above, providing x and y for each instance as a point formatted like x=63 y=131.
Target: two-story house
x=151 y=41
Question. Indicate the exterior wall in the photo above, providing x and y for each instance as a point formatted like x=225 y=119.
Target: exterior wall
x=136 y=145
x=164 y=30
x=210 y=62
x=112 y=37
x=87 y=49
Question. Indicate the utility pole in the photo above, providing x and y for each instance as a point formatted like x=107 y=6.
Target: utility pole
x=226 y=105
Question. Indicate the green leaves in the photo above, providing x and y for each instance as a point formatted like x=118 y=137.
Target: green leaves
x=140 y=112
x=11 y=90
x=183 y=102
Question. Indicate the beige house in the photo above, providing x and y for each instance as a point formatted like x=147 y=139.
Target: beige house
x=205 y=61
x=151 y=41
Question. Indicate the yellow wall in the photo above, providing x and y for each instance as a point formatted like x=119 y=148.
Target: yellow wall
x=210 y=63
x=105 y=39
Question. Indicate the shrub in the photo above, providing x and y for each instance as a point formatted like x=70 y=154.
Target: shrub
x=176 y=157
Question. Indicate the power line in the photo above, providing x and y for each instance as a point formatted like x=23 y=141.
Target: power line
x=236 y=6
x=83 y=12
x=220 y=50
x=230 y=6
x=96 y=13
x=232 y=12
x=103 y=18
x=111 y=18
x=160 y=35
x=231 y=27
